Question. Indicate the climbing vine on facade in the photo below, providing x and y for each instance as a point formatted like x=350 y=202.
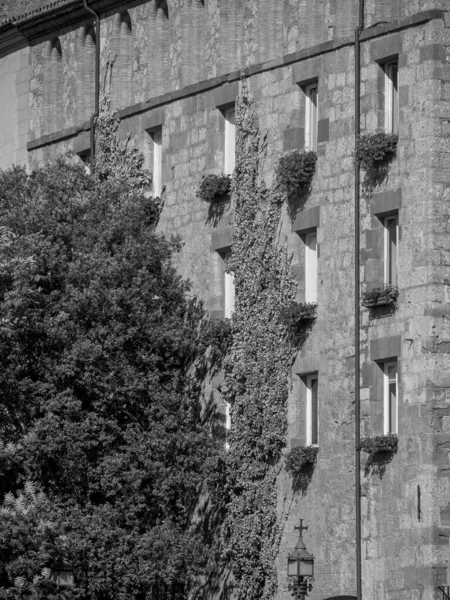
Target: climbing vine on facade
x=257 y=367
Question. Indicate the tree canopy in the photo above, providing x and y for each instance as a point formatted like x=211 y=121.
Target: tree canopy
x=103 y=451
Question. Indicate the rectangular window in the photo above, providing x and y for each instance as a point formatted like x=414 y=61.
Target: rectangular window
x=310 y=240
x=312 y=410
x=229 y=292
x=390 y=374
x=85 y=157
x=227 y=424
x=391 y=97
x=311 y=117
x=230 y=140
x=156 y=137
x=390 y=249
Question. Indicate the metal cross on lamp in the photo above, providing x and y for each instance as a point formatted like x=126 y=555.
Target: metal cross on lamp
x=300 y=567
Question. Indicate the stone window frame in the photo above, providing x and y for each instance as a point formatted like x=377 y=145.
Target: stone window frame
x=383 y=351
x=221 y=246
x=305 y=73
x=310 y=265
x=306 y=222
x=304 y=367
x=153 y=122
x=224 y=99
x=391 y=104
x=311 y=435
x=387 y=422
x=227 y=424
x=311 y=114
x=382 y=205
x=229 y=151
x=156 y=135
x=390 y=278
x=385 y=51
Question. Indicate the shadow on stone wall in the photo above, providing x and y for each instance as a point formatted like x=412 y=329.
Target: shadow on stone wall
x=376 y=463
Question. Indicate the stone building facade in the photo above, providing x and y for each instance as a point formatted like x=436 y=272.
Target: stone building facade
x=176 y=74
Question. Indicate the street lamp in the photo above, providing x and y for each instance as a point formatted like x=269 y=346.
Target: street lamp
x=300 y=568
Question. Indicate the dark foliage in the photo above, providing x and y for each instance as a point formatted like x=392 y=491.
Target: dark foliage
x=213 y=186
x=384 y=295
x=298 y=318
x=217 y=337
x=380 y=443
x=374 y=148
x=296 y=170
x=300 y=456
x=97 y=341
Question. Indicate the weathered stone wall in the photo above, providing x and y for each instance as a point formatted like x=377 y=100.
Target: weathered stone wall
x=14 y=90
x=405 y=553
x=161 y=46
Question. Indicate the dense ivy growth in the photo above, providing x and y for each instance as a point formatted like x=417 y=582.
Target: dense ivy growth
x=298 y=318
x=257 y=368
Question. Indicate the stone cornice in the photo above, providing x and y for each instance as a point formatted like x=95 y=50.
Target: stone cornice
x=56 y=17
x=215 y=82
x=11 y=40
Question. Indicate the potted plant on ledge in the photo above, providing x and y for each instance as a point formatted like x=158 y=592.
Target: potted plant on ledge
x=213 y=187
x=299 y=457
x=374 y=149
x=385 y=295
x=379 y=443
x=295 y=170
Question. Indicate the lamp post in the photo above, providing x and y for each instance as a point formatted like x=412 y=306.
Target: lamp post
x=300 y=568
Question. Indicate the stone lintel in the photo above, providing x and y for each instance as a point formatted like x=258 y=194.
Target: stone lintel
x=307 y=219
x=386 y=202
x=384 y=348
x=388 y=47
x=153 y=119
x=226 y=95
x=222 y=239
x=307 y=71
x=82 y=142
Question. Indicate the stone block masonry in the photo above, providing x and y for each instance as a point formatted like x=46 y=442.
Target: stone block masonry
x=405 y=551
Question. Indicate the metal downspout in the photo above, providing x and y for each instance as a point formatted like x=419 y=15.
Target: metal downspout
x=357 y=303
x=97 y=81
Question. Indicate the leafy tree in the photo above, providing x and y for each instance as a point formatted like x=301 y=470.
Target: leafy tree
x=99 y=343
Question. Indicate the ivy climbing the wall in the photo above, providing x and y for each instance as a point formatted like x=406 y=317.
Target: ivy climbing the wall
x=257 y=367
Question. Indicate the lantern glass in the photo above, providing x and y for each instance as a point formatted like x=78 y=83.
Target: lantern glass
x=306 y=567
x=293 y=567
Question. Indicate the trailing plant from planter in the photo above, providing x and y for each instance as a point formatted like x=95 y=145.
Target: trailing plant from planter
x=298 y=457
x=372 y=149
x=298 y=317
x=296 y=170
x=213 y=186
x=385 y=295
x=379 y=443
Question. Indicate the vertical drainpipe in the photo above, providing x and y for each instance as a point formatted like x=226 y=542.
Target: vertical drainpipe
x=357 y=303
x=97 y=81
